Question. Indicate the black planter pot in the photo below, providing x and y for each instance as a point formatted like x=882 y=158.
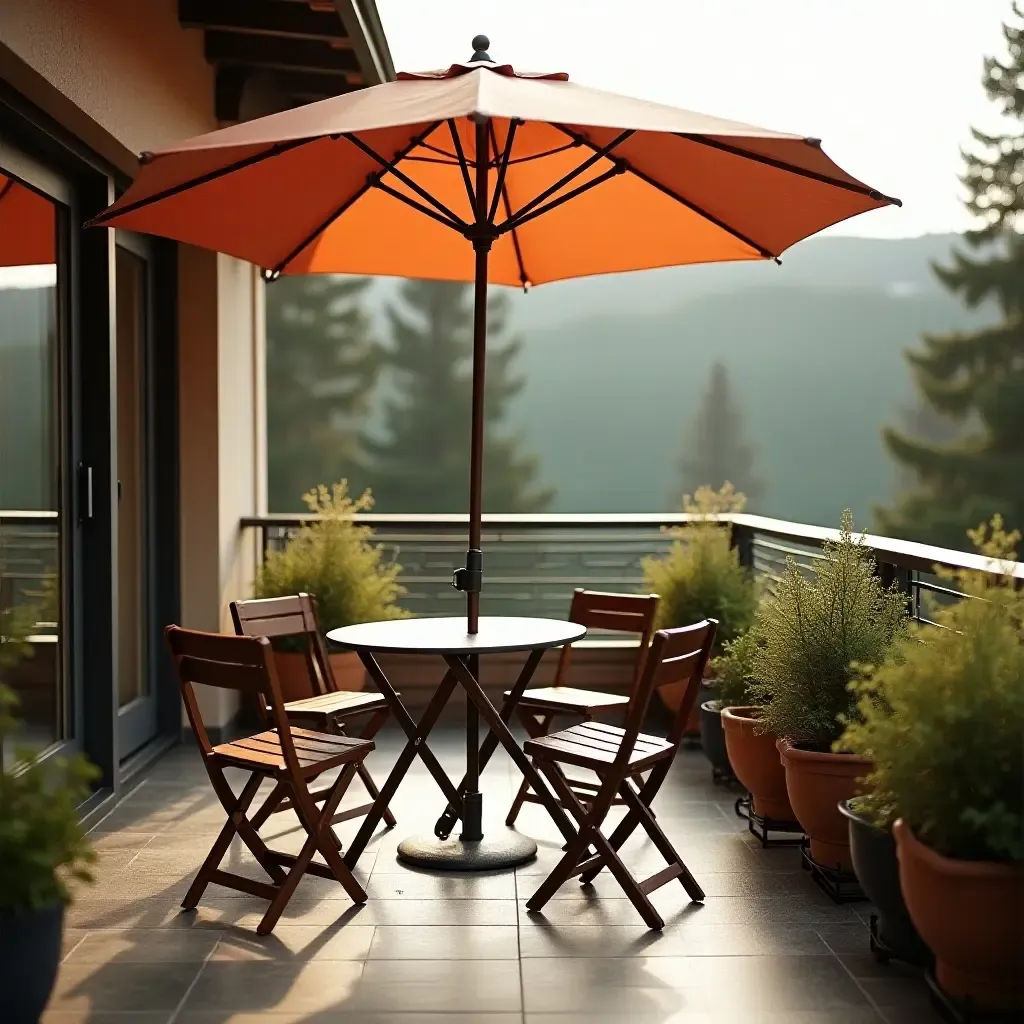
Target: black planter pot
x=30 y=945
x=712 y=738
x=873 y=852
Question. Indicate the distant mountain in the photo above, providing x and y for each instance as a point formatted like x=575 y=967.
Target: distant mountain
x=614 y=365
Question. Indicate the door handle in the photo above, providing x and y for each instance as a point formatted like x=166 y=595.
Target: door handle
x=84 y=492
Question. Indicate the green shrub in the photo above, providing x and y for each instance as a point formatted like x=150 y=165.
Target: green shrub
x=700 y=577
x=42 y=846
x=333 y=559
x=813 y=630
x=942 y=719
x=733 y=671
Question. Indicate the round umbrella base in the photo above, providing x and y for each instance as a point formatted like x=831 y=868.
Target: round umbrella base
x=506 y=849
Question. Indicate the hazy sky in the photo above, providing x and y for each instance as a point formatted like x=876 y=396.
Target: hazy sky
x=890 y=86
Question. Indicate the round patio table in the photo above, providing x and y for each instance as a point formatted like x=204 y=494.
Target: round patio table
x=460 y=650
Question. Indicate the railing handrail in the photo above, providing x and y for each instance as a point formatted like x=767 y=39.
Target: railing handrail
x=901 y=553
x=21 y=515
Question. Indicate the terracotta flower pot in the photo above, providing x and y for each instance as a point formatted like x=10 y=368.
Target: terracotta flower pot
x=817 y=783
x=756 y=764
x=971 y=915
x=293 y=673
x=671 y=695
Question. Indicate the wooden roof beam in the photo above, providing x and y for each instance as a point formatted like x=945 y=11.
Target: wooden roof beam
x=262 y=18
x=224 y=48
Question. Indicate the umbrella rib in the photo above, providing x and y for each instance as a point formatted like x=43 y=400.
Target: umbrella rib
x=672 y=194
x=460 y=154
x=371 y=181
x=849 y=186
x=503 y=192
x=596 y=155
x=501 y=160
x=202 y=179
x=391 y=168
x=519 y=221
x=8 y=185
x=459 y=226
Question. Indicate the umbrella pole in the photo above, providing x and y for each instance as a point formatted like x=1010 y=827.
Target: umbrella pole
x=472 y=811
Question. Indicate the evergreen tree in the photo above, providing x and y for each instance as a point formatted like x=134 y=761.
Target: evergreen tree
x=977 y=378
x=715 y=450
x=422 y=462
x=321 y=367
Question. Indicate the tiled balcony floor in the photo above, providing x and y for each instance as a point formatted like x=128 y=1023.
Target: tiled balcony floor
x=767 y=946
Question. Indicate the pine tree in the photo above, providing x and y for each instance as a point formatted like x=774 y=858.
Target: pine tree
x=422 y=462
x=321 y=367
x=977 y=378
x=715 y=450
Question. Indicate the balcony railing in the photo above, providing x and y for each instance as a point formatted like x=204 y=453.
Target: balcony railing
x=533 y=562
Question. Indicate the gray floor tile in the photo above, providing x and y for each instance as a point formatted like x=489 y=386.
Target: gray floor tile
x=348 y=1017
x=148 y=945
x=295 y=942
x=115 y=986
x=671 y=984
x=394 y=884
x=86 y=1016
x=439 y=986
x=466 y=942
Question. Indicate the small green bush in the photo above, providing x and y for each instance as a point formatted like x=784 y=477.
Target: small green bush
x=42 y=846
x=812 y=632
x=700 y=577
x=733 y=671
x=333 y=559
x=942 y=719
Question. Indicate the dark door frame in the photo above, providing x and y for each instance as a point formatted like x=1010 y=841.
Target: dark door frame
x=87 y=313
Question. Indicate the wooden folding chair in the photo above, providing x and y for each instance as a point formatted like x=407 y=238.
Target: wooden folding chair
x=618 y=756
x=328 y=708
x=538 y=707
x=290 y=757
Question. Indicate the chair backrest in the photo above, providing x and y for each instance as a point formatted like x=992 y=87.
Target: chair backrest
x=293 y=616
x=676 y=655
x=623 y=613
x=236 y=663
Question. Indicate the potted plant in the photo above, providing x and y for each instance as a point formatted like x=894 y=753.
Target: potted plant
x=700 y=577
x=942 y=724
x=731 y=671
x=333 y=558
x=42 y=851
x=813 y=630
x=750 y=747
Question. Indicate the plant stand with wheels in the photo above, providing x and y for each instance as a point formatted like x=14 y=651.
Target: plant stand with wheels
x=762 y=828
x=840 y=886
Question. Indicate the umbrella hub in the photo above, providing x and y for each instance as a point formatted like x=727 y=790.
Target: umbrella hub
x=481 y=44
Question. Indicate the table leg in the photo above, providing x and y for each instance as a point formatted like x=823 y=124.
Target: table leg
x=417 y=746
x=472 y=800
x=476 y=694
x=444 y=825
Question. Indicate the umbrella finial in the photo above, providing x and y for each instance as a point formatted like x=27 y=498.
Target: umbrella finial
x=481 y=44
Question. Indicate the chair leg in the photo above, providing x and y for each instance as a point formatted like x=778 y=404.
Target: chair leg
x=269 y=806
x=370 y=730
x=663 y=844
x=590 y=834
x=235 y=808
x=315 y=822
x=534 y=729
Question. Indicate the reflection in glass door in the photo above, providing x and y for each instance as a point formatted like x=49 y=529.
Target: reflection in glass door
x=31 y=463
x=136 y=702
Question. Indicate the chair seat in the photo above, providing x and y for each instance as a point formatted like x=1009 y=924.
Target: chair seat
x=570 y=700
x=338 y=704
x=594 y=745
x=316 y=751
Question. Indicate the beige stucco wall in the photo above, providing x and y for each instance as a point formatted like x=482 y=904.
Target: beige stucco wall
x=142 y=82
x=128 y=64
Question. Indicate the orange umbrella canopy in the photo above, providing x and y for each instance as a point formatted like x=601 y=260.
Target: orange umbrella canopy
x=28 y=226
x=581 y=182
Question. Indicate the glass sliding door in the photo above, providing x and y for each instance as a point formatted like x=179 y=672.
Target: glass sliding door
x=33 y=474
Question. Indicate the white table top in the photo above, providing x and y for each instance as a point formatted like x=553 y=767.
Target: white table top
x=448 y=635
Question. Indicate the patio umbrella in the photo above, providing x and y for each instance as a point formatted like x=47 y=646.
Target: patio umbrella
x=484 y=174
x=27 y=226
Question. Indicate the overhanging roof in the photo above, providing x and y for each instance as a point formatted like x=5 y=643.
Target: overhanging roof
x=309 y=49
